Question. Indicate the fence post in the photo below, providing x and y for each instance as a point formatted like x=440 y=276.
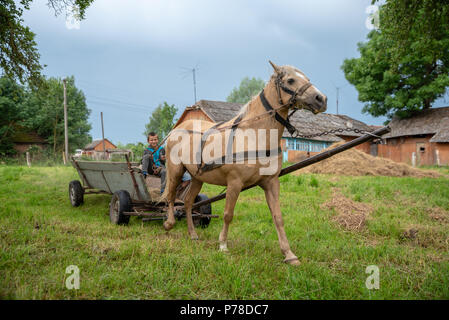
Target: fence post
x=28 y=159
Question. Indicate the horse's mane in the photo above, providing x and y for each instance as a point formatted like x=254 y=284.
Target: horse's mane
x=245 y=109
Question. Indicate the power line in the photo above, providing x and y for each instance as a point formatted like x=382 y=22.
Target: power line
x=121 y=107
x=118 y=101
x=100 y=85
x=120 y=96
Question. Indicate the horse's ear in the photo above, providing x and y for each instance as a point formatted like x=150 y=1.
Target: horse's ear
x=275 y=67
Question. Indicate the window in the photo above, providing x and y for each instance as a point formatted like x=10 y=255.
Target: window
x=306 y=145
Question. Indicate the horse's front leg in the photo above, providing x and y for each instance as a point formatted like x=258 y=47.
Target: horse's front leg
x=271 y=188
x=232 y=194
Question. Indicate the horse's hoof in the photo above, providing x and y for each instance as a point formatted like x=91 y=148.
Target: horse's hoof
x=194 y=237
x=223 y=248
x=167 y=226
x=292 y=261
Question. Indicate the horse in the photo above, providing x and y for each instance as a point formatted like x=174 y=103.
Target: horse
x=237 y=168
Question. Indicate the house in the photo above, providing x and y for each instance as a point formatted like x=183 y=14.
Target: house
x=24 y=138
x=294 y=149
x=422 y=139
x=95 y=149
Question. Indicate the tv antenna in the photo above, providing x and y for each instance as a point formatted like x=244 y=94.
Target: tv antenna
x=193 y=71
x=338 y=88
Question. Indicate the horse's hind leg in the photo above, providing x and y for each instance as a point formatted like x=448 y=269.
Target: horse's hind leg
x=271 y=188
x=195 y=187
x=174 y=175
x=232 y=194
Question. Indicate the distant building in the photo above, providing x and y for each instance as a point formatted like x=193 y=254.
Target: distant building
x=422 y=139
x=294 y=149
x=24 y=138
x=95 y=149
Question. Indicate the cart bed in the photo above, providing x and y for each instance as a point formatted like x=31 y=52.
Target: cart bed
x=111 y=177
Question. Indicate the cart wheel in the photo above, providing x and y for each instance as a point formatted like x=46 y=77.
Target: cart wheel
x=120 y=203
x=76 y=193
x=206 y=209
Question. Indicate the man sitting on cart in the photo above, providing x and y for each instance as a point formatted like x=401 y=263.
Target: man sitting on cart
x=153 y=161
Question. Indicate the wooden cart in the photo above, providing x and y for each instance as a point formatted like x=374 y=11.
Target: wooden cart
x=130 y=192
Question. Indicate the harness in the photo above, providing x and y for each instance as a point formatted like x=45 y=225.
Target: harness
x=204 y=167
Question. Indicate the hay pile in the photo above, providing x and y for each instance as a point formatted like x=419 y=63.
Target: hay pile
x=351 y=215
x=354 y=162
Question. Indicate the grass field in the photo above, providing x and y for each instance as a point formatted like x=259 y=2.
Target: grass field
x=406 y=234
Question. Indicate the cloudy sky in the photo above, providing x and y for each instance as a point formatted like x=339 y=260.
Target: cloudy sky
x=129 y=56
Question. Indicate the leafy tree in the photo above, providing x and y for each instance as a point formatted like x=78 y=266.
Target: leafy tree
x=400 y=76
x=43 y=112
x=11 y=98
x=161 y=120
x=136 y=148
x=400 y=19
x=19 y=57
x=247 y=89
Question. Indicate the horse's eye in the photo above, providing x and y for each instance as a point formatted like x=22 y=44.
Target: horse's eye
x=291 y=81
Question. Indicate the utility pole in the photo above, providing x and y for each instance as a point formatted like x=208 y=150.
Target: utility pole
x=66 y=136
x=102 y=134
x=194 y=83
x=338 y=91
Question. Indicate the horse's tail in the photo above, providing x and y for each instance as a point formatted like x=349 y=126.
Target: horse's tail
x=164 y=195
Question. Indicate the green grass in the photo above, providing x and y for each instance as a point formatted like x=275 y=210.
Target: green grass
x=41 y=234
x=441 y=169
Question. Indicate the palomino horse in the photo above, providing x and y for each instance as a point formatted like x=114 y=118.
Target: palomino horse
x=266 y=112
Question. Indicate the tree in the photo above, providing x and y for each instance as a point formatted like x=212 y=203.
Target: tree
x=247 y=89
x=401 y=77
x=401 y=18
x=136 y=148
x=161 y=120
x=43 y=112
x=11 y=98
x=19 y=57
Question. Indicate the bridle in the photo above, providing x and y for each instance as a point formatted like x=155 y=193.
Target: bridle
x=291 y=102
x=293 y=94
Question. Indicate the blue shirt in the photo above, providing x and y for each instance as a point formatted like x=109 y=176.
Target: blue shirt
x=156 y=155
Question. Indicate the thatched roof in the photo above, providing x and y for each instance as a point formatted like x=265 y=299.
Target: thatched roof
x=431 y=121
x=219 y=111
x=305 y=121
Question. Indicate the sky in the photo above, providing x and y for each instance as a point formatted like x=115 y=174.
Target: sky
x=130 y=56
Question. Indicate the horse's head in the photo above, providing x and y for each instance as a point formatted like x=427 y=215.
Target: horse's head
x=294 y=87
